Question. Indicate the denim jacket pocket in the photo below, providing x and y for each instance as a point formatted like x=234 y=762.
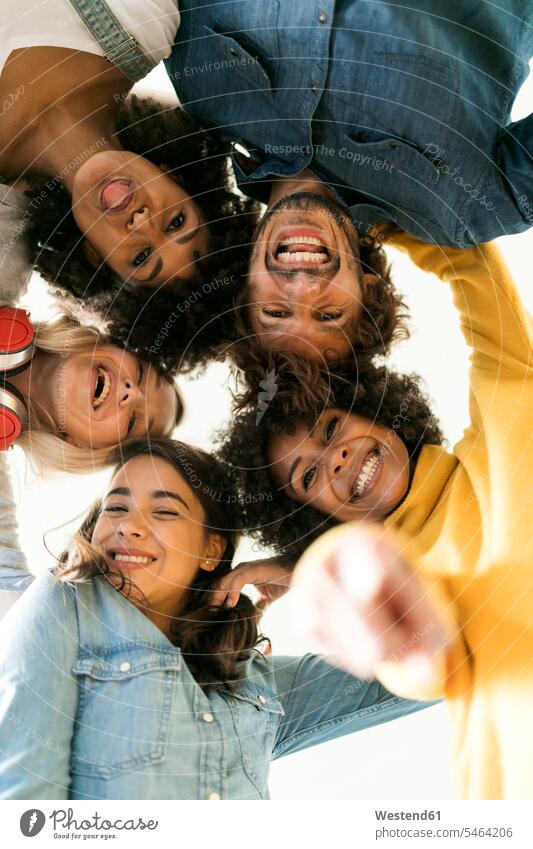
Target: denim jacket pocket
x=393 y=174
x=231 y=54
x=257 y=712
x=411 y=95
x=124 y=709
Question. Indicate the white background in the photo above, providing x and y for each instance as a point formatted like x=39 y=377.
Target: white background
x=407 y=759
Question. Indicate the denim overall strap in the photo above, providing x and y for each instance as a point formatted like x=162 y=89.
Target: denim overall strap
x=119 y=47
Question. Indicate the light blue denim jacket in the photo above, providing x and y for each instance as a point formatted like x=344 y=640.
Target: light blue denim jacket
x=403 y=109
x=96 y=703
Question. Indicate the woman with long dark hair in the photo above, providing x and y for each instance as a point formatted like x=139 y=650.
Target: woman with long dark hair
x=142 y=686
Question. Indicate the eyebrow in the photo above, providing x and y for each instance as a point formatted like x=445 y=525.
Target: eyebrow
x=159 y=493
x=291 y=472
x=295 y=462
x=182 y=240
x=166 y=493
x=155 y=271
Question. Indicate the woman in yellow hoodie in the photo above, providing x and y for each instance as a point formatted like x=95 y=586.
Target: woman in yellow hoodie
x=461 y=519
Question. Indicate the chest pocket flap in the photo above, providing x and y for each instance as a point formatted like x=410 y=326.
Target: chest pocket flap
x=124 y=709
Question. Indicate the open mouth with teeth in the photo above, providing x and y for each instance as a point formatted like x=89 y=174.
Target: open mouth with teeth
x=300 y=249
x=102 y=386
x=130 y=558
x=368 y=474
x=132 y=561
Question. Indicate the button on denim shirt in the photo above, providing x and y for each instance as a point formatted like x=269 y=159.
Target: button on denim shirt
x=96 y=703
x=402 y=109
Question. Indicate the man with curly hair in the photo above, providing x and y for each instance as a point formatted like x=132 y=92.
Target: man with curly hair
x=345 y=115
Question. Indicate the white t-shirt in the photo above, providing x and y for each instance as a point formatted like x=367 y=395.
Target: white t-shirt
x=55 y=23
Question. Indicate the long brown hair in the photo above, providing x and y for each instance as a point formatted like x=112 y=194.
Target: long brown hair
x=214 y=640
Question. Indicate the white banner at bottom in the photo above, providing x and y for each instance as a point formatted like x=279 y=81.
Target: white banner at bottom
x=310 y=824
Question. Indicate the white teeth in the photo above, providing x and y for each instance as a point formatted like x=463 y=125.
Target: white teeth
x=302 y=256
x=368 y=470
x=102 y=373
x=303 y=240
x=129 y=558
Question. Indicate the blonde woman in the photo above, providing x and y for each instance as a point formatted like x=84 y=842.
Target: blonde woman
x=85 y=395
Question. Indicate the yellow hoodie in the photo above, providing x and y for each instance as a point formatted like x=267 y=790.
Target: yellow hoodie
x=468 y=522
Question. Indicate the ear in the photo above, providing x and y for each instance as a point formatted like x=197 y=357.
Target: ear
x=91 y=255
x=369 y=280
x=214 y=551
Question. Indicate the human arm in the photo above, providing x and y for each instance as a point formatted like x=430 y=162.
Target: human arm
x=368 y=608
x=270 y=578
x=14 y=574
x=322 y=702
x=38 y=693
x=495 y=450
x=15 y=263
x=493 y=320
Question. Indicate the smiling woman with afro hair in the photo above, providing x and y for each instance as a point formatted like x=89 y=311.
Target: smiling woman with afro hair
x=385 y=398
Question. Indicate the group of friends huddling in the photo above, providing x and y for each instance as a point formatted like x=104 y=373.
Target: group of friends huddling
x=251 y=224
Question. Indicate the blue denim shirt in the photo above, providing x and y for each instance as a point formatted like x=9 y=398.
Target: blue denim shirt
x=402 y=109
x=96 y=703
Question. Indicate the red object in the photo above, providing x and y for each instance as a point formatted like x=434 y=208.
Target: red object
x=16 y=335
x=10 y=426
x=17 y=338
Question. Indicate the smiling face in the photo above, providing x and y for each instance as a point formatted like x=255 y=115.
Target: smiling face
x=137 y=219
x=305 y=282
x=346 y=467
x=151 y=528
x=101 y=397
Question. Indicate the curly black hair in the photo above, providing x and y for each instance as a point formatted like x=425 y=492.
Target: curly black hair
x=177 y=326
x=394 y=400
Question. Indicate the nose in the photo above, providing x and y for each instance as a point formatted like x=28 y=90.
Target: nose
x=302 y=285
x=131 y=527
x=339 y=457
x=129 y=392
x=138 y=220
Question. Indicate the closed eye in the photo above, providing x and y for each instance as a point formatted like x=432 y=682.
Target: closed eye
x=115 y=508
x=140 y=378
x=307 y=477
x=328 y=316
x=276 y=313
x=330 y=428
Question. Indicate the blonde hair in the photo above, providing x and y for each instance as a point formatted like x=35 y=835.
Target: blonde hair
x=42 y=440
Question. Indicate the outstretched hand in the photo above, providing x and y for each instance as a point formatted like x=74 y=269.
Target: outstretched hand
x=270 y=578
x=360 y=602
